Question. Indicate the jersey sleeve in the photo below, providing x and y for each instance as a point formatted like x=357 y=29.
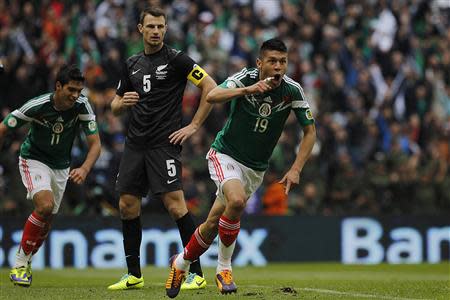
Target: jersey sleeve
x=87 y=117
x=301 y=108
x=235 y=80
x=22 y=115
x=188 y=68
x=124 y=84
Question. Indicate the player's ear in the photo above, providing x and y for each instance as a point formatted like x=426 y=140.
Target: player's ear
x=58 y=85
x=140 y=27
x=258 y=63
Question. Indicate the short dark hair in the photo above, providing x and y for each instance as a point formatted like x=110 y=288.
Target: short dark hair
x=154 y=11
x=68 y=73
x=273 y=44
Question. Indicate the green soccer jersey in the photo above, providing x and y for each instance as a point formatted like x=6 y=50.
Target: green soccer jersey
x=52 y=132
x=256 y=122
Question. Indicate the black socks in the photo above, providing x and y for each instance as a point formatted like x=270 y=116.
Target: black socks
x=132 y=236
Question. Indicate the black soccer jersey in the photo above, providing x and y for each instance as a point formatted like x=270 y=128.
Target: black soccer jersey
x=159 y=79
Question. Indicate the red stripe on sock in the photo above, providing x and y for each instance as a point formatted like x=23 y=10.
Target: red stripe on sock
x=32 y=233
x=196 y=247
x=228 y=230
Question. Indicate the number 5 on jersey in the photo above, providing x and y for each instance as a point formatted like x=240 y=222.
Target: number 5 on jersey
x=146 y=83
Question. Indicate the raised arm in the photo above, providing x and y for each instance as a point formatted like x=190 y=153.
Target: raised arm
x=222 y=95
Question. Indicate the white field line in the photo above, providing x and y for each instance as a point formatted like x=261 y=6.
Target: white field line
x=359 y=295
x=334 y=292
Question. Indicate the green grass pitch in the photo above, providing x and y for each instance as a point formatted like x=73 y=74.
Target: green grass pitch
x=275 y=281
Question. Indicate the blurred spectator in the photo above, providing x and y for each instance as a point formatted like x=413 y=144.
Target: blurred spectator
x=376 y=73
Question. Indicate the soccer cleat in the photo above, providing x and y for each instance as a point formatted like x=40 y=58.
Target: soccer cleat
x=21 y=276
x=175 y=280
x=127 y=282
x=225 y=283
x=193 y=282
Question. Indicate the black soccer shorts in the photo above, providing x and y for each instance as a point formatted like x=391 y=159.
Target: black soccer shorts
x=155 y=171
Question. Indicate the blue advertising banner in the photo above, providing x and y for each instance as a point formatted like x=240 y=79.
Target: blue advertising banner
x=81 y=241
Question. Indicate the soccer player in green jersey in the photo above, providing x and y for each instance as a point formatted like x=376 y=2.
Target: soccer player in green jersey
x=44 y=161
x=261 y=101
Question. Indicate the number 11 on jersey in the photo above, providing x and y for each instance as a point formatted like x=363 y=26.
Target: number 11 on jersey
x=261 y=125
x=55 y=139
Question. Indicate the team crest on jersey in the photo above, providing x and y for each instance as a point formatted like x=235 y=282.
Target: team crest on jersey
x=161 y=72
x=92 y=126
x=265 y=110
x=231 y=84
x=58 y=127
x=12 y=122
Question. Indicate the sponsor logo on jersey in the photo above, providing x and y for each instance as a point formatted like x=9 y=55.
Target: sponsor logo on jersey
x=58 y=127
x=135 y=71
x=308 y=114
x=12 y=122
x=92 y=126
x=265 y=110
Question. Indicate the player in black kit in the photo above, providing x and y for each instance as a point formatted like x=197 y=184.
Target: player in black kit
x=151 y=90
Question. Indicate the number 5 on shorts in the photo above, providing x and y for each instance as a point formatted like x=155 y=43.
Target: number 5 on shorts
x=171 y=169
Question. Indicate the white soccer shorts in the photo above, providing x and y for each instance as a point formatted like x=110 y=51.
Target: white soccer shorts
x=37 y=177
x=223 y=167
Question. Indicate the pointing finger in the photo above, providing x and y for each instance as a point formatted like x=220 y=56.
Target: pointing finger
x=288 y=187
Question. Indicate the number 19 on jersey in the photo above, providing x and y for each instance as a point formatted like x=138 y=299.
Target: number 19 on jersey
x=261 y=125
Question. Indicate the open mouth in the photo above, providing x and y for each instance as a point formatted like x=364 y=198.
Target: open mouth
x=276 y=77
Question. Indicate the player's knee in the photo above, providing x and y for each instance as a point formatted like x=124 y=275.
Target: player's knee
x=177 y=210
x=45 y=209
x=175 y=204
x=128 y=209
x=237 y=203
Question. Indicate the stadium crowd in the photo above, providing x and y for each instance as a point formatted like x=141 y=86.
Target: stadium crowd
x=376 y=74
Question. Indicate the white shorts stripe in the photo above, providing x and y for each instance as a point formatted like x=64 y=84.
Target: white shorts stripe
x=217 y=166
x=26 y=171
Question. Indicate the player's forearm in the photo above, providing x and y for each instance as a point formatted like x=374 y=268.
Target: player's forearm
x=204 y=107
x=221 y=95
x=93 y=153
x=3 y=130
x=305 y=149
x=116 y=107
